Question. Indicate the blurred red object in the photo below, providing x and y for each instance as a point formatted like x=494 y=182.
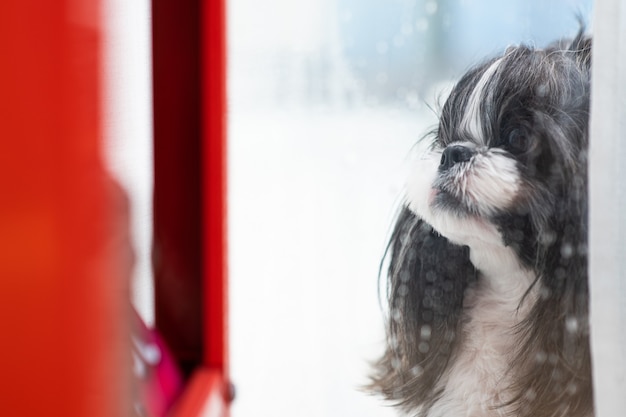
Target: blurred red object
x=64 y=277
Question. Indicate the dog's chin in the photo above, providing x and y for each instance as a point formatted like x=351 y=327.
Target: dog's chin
x=461 y=219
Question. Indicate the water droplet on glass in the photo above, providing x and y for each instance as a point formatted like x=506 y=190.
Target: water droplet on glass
x=567 y=250
x=417 y=370
x=541 y=357
x=396 y=363
x=393 y=342
x=541 y=90
x=547 y=238
x=382 y=47
x=403 y=290
x=530 y=394
x=421 y=25
x=571 y=324
x=430 y=276
x=553 y=359
x=572 y=388
x=431 y=7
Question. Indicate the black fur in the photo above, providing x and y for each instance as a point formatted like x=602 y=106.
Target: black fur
x=428 y=290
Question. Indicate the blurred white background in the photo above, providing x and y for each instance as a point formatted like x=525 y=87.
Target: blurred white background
x=315 y=169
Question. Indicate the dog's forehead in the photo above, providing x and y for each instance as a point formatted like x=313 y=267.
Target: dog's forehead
x=479 y=99
x=472 y=123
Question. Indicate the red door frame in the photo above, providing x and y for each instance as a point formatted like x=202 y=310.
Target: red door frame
x=215 y=183
x=189 y=70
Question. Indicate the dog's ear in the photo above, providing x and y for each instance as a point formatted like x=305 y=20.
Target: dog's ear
x=581 y=47
x=553 y=359
x=427 y=278
x=557 y=327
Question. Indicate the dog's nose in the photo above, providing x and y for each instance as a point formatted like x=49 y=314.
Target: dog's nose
x=453 y=155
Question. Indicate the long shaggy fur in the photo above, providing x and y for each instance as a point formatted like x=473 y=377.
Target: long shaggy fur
x=532 y=108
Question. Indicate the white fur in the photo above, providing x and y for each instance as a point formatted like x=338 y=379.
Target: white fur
x=472 y=121
x=474 y=385
x=489 y=182
x=492 y=181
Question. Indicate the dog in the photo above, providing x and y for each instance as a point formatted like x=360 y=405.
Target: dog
x=487 y=263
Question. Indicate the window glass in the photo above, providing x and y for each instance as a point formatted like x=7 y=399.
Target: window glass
x=326 y=99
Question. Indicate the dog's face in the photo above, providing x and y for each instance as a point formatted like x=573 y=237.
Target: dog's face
x=508 y=151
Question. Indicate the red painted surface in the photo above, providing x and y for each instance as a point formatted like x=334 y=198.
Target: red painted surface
x=204 y=396
x=189 y=58
x=63 y=230
x=215 y=184
x=177 y=179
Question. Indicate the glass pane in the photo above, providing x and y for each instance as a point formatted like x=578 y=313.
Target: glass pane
x=327 y=98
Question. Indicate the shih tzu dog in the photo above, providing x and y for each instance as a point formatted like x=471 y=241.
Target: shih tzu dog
x=487 y=264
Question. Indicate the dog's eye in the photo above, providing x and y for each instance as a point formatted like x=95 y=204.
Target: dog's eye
x=518 y=141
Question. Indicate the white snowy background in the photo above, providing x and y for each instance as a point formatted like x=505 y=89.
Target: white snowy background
x=316 y=169
x=312 y=194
